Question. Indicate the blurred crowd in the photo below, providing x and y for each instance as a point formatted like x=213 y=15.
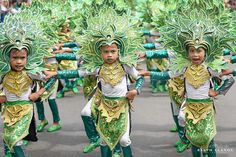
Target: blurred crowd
x=11 y=6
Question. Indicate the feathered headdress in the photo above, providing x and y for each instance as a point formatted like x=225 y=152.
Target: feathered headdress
x=107 y=28
x=22 y=31
x=203 y=24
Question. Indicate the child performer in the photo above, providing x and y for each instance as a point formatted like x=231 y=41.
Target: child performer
x=22 y=47
x=176 y=90
x=108 y=50
x=72 y=47
x=198 y=39
x=51 y=97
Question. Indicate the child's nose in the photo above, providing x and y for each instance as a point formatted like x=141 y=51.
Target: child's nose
x=18 y=60
x=195 y=53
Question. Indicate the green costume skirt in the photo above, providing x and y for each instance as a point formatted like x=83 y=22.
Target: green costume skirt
x=200 y=122
x=17 y=117
x=111 y=114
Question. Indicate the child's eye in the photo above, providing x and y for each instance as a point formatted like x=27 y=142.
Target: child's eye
x=199 y=51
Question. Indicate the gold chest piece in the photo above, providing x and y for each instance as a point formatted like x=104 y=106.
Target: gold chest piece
x=112 y=73
x=16 y=82
x=197 y=75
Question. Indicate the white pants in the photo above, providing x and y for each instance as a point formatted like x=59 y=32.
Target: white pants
x=125 y=139
x=87 y=109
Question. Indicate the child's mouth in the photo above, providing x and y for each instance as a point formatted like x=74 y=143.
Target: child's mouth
x=109 y=60
x=19 y=67
x=196 y=59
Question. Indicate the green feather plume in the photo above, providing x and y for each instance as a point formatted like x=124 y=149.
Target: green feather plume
x=108 y=26
x=19 y=31
x=203 y=24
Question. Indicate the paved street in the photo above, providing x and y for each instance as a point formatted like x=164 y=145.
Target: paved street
x=151 y=121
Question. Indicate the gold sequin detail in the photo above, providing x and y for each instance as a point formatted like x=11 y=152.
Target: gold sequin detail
x=16 y=82
x=14 y=113
x=176 y=89
x=111 y=109
x=112 y=73
x=198 y=111
x=197 y=75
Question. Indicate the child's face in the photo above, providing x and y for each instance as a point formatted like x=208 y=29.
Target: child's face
x=197 y=56
x=110 y=53
x=18 y=59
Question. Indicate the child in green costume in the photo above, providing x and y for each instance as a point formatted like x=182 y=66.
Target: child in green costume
x=21 y=55
x=199 y=40
x=110 y=57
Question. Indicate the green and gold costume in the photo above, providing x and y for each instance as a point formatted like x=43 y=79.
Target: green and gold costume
x=20 y=31
x=198 y=24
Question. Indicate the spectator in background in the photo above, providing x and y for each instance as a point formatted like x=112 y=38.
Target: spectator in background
x=4 y=9
x=8 y=6
x=21 y=2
